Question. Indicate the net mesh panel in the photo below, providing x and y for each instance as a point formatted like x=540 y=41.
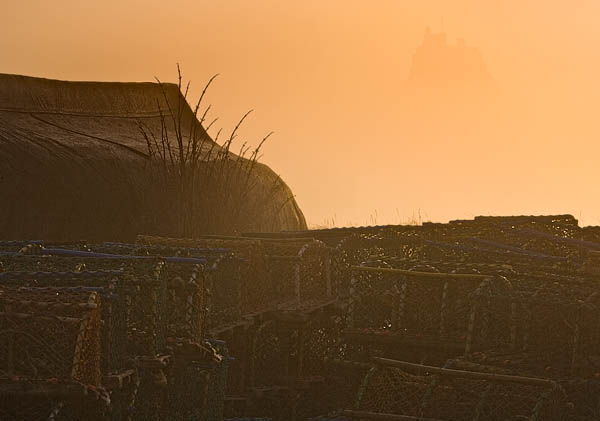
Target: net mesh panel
x=189 y=386
x=151 y=400
x=217 y=387
x=428 y=313
x=391 y=390
x=285 y=269
x=373 y=295
x=225 y=292
x=259 y=289
x=43 y=401
x=320 y=342
x=314 y=272
x=421 y=304
x=258 y=293
x=134 y=299
x=343 y=380
x=239 y=349
x=301 y=272
x=123 y=395
x=50 y=333
x=275 y=403
x=113 y=309
x=558 y=334
x=145 y=294
x=282 y=271
x=187 y=392
x=584 y=398
x=274 y=345
x=350 y=251
x=266 y=299
x=185 y=304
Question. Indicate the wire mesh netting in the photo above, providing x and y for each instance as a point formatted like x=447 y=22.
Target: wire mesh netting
x=445 y=394
x=42 y=401
x=294 y=321
x=50 y=333
x=559 y=333
x=418 y=308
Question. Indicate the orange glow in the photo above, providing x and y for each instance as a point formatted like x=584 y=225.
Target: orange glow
x=356 y=137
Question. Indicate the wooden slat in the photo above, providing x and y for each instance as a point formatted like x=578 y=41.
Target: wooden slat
x=416 y=274
x=380 y=416
x=464 y=374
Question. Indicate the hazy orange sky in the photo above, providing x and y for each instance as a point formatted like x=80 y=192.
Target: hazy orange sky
x=328 y=78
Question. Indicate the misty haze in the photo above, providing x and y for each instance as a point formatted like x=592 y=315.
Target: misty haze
x=305 y=211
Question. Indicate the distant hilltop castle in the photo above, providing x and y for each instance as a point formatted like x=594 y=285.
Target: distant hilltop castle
x=445 y=68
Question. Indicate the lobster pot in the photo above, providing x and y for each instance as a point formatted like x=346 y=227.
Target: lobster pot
x=348 y=252
x=282 y=275
x=374 y=299
x=416 y=304
x=343 y=380
x=225 y=292
x=313 y=273
x=145 y=297
x=558 y=334
x=139 y=284
x=217 y=383
x=258 y=292
x=50 y=333
x=239 y=354
x=42 y=401
x=185 y=302
x=492 y=322
x=283 y=269
x=273 y=347
x=196 y=382
x=320 y=342
x=144 y=291
x=187 y=392
x=573 y=342
x=358 y=248
x=154 y=397
x=442 y=394
x=114 y=311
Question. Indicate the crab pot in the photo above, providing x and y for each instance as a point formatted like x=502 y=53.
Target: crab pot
x=343 y=379
x=139 y=284
x=185 y=303
x=399 y=388
x=44 y=400
x=560 y=334
x=50 y=333
x=258 y=290
x=225 y=288
x=273 y=347
x=412 y=310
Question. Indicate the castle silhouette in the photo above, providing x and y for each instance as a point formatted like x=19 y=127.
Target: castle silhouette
x=444 y=68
